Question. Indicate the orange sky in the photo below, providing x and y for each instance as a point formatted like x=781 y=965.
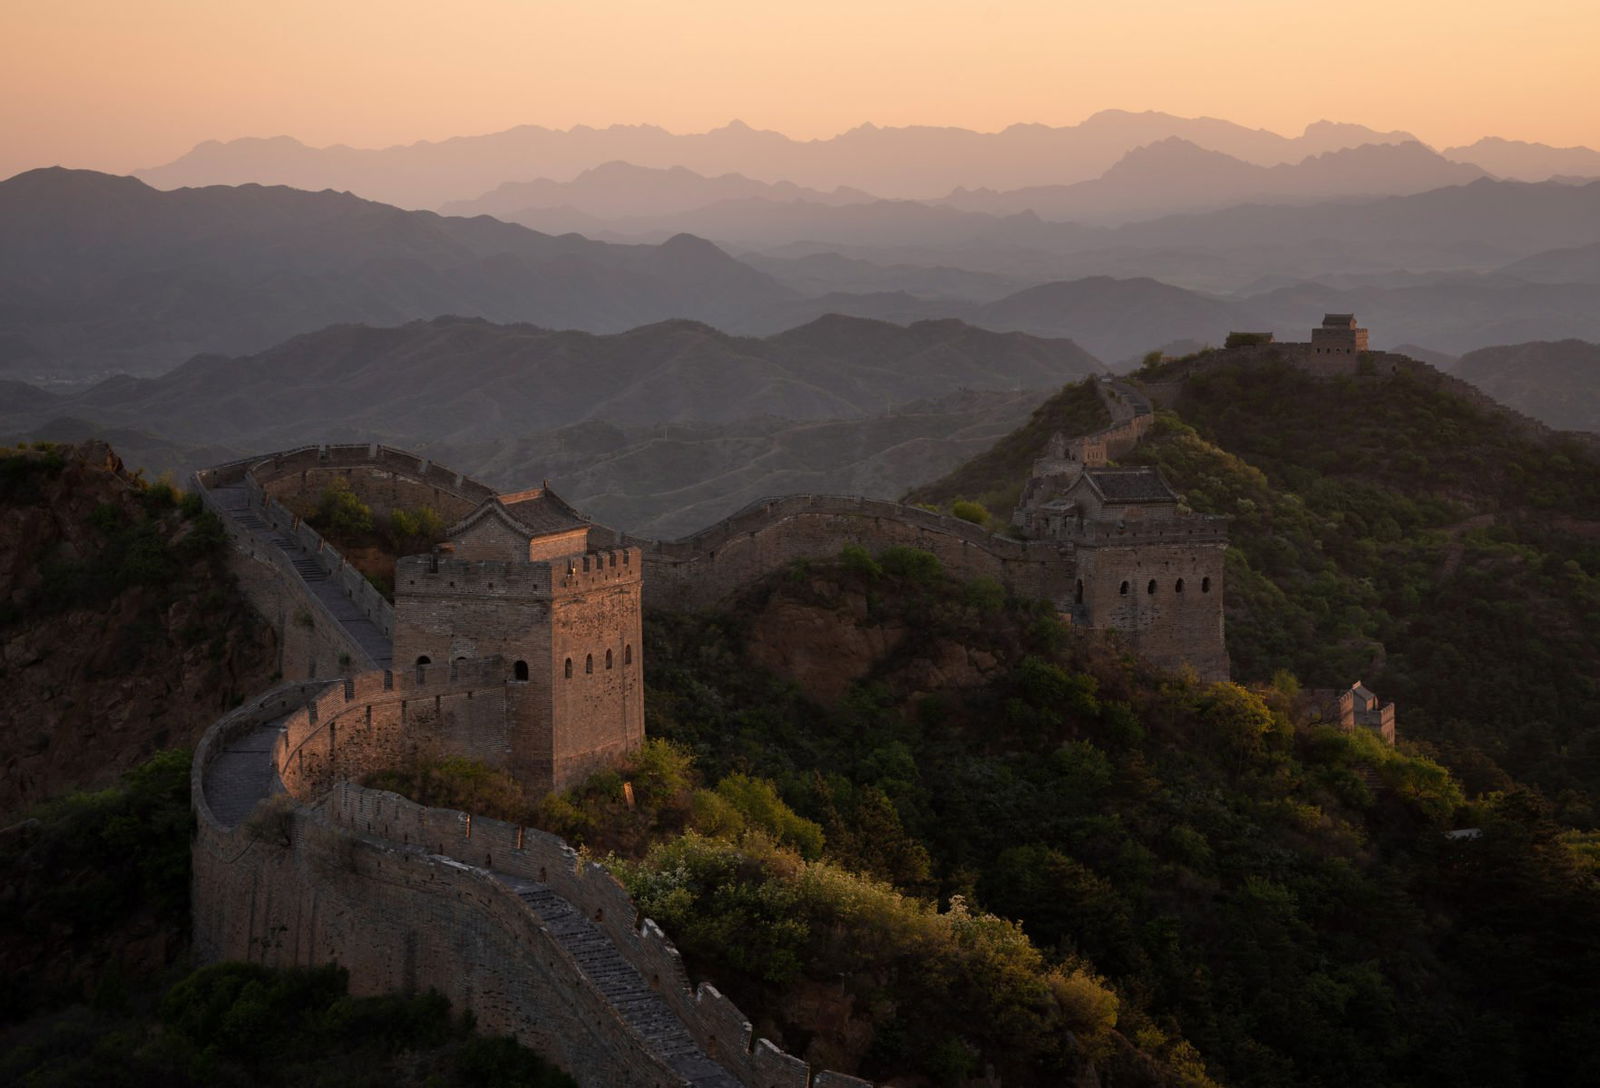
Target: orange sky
x=119 y=84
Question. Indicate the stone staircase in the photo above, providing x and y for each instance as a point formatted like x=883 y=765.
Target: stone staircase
x=234 y=501
x=624 y=988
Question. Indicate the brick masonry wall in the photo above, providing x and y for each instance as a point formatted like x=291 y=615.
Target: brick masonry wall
x=576 y=609
x=384 y=478
x=713 y=565
x=1170 y=626
x=597 y=712
x=402 y=896
x=311 y=644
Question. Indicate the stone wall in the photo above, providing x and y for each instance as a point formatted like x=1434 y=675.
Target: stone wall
x=312 y=643
x=714 y=564
x=1163 y=593
x=407 y=897
x=596 y=664
x=385 y=478
x=379 y=720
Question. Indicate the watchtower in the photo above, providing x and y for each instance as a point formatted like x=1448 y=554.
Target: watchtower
x=1338 y=335
x=522 y=578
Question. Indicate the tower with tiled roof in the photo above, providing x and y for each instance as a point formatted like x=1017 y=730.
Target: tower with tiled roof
x=527 y=579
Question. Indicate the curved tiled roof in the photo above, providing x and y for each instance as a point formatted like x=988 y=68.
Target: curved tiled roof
x=542 y=511
x=1130 y=485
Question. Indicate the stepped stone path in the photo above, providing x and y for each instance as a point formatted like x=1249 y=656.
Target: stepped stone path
x=241 y=774
x=234 y=499
x=624 y=988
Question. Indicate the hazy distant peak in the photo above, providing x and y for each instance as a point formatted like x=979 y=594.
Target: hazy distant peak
x=1325 y=128
x=1171 y=151
x=685 y=243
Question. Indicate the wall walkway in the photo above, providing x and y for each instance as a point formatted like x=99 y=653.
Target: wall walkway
x=506 y=921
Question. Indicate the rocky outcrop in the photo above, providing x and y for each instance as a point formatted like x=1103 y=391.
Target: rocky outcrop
x=102 y=667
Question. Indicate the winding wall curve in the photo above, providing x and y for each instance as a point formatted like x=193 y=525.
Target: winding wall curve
x=506 y=921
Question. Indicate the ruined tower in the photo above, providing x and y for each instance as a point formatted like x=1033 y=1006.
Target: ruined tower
x=527 y=579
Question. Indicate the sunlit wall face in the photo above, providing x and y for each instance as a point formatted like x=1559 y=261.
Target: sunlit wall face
x=119 y=84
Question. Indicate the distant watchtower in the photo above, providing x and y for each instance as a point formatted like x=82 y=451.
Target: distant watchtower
x=521 y=579
x=1338 y=335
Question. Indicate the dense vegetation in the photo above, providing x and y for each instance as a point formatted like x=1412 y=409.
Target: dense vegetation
x=239 y=1024
x=123 y=628
x=1392 y=530
x=87 y=871
x=1206 y=887
x=155 y=539
x=372 y=541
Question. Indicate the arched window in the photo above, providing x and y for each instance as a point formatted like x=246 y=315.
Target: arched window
x=627 y=654
x=519 y=671
x=1179 y=585
x=1079 y=596
x=424 y=659
x=608 y=659
x=1205 y=585
x=569 y=668
x=588 y=662
x=1151 y=588
x=1124 y=589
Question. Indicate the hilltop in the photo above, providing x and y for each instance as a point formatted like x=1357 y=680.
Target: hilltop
x=1402 y=529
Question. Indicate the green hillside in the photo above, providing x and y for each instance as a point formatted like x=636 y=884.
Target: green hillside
x=1211 y=889
x=1393 y=530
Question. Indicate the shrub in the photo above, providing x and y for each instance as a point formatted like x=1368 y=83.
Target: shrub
x=858 y=560
x=455 y=782
x=912 y=564
x=1247 y=339
x=741 y=803
x=970 y=511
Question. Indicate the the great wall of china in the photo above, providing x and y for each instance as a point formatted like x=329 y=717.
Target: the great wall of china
x=505 y=921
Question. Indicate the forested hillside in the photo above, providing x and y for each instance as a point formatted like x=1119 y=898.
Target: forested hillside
x=1391 y=530
x=1209 y=889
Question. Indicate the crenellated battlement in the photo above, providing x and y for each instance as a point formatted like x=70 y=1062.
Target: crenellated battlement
x=603 y=567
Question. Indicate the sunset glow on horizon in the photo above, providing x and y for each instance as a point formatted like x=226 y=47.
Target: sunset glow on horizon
x=122 y=85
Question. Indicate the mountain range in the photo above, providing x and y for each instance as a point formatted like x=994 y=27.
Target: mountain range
x=102 y=273
x=1174 y=175
x=462 y=379
x=913 y=161
x=660 y=429
x=616 y=189
x=1524 y=161
x=1555 y=381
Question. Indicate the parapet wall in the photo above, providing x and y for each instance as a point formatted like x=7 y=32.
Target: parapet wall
x=378 y=720
x=387 y=478
x=408 y=897
x=362 y=593
x=1131 y=416
x=279 y=593
x=704 y=569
